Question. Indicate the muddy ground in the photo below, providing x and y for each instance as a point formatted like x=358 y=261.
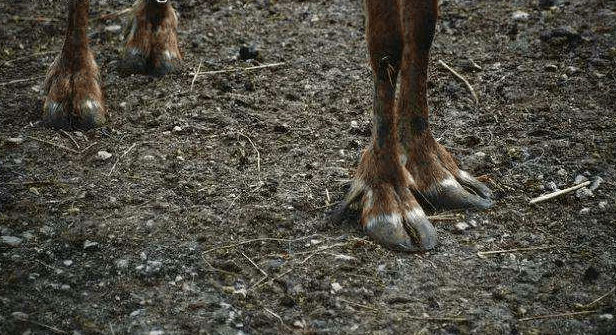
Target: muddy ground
x=210 y=214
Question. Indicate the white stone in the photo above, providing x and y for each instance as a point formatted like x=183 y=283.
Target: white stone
x=103 y=155
x=67 y=262
x=11 y=241
x=520 y=16
x=15 y=140
x=584 y=211
x=336 y=287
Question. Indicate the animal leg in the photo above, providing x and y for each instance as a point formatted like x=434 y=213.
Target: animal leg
x=439 y=182
x=74 y=96
x=390 y=213
x=151 y=41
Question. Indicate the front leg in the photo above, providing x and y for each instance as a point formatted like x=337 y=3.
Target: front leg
x=390 y=214
x=151 y=41
x=74 y=98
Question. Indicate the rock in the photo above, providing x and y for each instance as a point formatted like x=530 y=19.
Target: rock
x=156 y=332
x=15 y=140
x=336 y=287
x=551 y=186
x=595 y=184
x=583 y=193
x=580 y=179
x=571 y=70
x=114 y=28
x=103 y=155
x=177 y=129
x=584 y=211
x=19 y=316
x=87 y=245
x=461 y=226
x=153 y=267
x=606 y=317
x=11 y=241
x=67 y=262
x=550 y=68
x=122 y=263
x=602 y=205
x=248 y=52
x=520 y=16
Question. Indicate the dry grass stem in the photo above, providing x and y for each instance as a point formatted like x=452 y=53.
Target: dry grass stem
x=459 y=76
x=238 y=69
x=121 y=156
x=54 y=144
x=508 y=251
x=17 y=81
x=558 y=193
x=557 y=315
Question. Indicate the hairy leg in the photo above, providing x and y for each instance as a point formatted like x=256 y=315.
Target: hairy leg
x=439 y=182
x=151 y=41
x=390 y=213
x=74 y=96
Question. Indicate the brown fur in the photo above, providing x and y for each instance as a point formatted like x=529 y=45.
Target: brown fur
x=402 y=155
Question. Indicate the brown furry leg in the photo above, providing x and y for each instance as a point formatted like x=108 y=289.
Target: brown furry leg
x=74 y=95
x=151 y=43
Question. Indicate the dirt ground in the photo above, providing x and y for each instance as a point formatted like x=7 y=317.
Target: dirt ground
x=201 y=208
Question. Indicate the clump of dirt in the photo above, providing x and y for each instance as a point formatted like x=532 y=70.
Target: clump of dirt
x=201 y=207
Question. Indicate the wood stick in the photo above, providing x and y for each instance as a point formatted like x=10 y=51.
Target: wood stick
x=114 y=14
x=558 y=193
x=53 y=144
x=596 y=301
x=238 y=69
x=16 y=81
x=557 y=315
x=192 y=83
x=258 y=240
x=468 y=85
x=30 y=56
x=117 y=160
x=494 y=252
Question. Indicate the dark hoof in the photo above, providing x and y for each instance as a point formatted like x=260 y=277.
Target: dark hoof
x=87 y=115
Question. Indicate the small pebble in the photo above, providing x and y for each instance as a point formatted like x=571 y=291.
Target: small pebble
x=115 y=28
x=89 y=245
x=584 y=211
x=15 y=140
x=67 y=262
x=461 y=226
x=336 y=287
x=580 y=179
x=20 y=316
x=520 y=16
x=602 y=205
x=11 y=241
x=177 y=129
x=103 y=155
x=551 y=68
x=595 y=184
x=606 y=317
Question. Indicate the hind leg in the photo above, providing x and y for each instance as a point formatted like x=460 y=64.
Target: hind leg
x=151 y=42
x=74 y=96
x=439 y=183
x=390 y=213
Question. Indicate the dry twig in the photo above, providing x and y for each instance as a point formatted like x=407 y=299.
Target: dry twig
x=596 y=301
x=71 y=137
x=558 y=193
x=237 y=69
x=494 y=252
x=258 y=240
x=29 y=56
x=16 y=81
x=557 y=315
x=459 y=76
x=114 y=14
x=53 y=144
x=117 y=160
x=265 y=275
x=254 y=147
x=192 y=83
